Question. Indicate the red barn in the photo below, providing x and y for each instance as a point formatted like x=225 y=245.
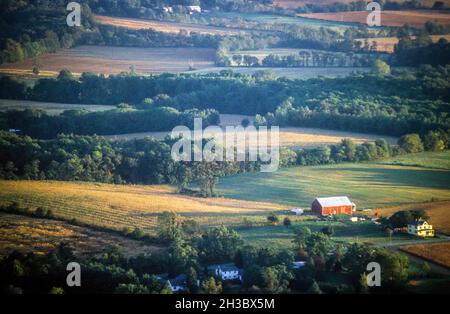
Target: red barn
x=339 y=205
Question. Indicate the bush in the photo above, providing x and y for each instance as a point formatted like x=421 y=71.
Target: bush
x=287 y=222
x=41 y=212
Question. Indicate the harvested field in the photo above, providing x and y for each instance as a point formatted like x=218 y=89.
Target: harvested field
x=388 y=18
x=438 y=253
x=49 y=108
x=289 y=136
x=119 y=206
x=166 y=27
x=26 y=234
x=114 y=60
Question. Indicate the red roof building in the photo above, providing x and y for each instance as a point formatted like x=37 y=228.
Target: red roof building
x=339 y=205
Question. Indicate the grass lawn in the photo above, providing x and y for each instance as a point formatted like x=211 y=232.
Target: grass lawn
x=437 y=160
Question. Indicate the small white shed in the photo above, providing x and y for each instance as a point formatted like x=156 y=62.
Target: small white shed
x=297 y=211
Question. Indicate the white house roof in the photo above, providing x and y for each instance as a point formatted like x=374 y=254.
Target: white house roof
x=334 y=201
x=419 y=222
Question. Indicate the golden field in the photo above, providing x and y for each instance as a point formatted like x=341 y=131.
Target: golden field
x=388 y=18
x=119 y=206
x=114 y=60
x=26 y=234
x=166 y=27
x=435 y=252
x=289 y=136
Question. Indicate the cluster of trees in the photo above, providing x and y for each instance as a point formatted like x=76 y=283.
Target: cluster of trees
x=402 y=218
x=421 y=50
x=30 y=28
x=311 y=58
x=365 y=113
x=289 y=35
x=265 y=269
x=120 y=36
x=93 y=158
x=405 y=102
x=124 y=119
x=46 y=273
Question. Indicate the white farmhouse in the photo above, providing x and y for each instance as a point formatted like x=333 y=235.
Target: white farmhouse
x=421 y=228
x=298 y=264
x=168 y=9
x=194 y=9
x=227 y=272
x=178 y=283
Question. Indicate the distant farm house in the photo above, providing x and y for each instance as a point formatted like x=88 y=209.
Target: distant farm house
x=168 y=9
x=296 y=211
x=338 y=205
x=178 y=283
x=227 y=271
x=194 y=9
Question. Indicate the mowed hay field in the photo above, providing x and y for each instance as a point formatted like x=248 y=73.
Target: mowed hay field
x=438 y=160
x=369 y=185
x=26 y=234
x=114 y=60
x=119 y=206
x=388 y=18
x=49 y=108
x=166 y=27
x=387 y=44
x=289 y=137
x=435 y=252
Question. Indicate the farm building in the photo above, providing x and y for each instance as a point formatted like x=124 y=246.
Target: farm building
x=297 y=211
x=338 y=205
x=421 y=228
x=298 y=264
x=226 y=271
x=178 y=283
x=194 y=9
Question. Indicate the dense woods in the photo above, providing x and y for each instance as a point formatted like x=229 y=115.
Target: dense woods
x=405 y=102
x=30 y=28
x=267 y=270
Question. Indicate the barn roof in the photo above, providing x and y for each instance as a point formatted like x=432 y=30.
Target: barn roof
x=334 y=201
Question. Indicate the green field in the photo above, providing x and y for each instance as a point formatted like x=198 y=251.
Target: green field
x=369 y=185
x=437 y=160
x=345 y=231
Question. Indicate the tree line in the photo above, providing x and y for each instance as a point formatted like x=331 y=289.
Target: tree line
x=311 y=58
x=392 y=104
